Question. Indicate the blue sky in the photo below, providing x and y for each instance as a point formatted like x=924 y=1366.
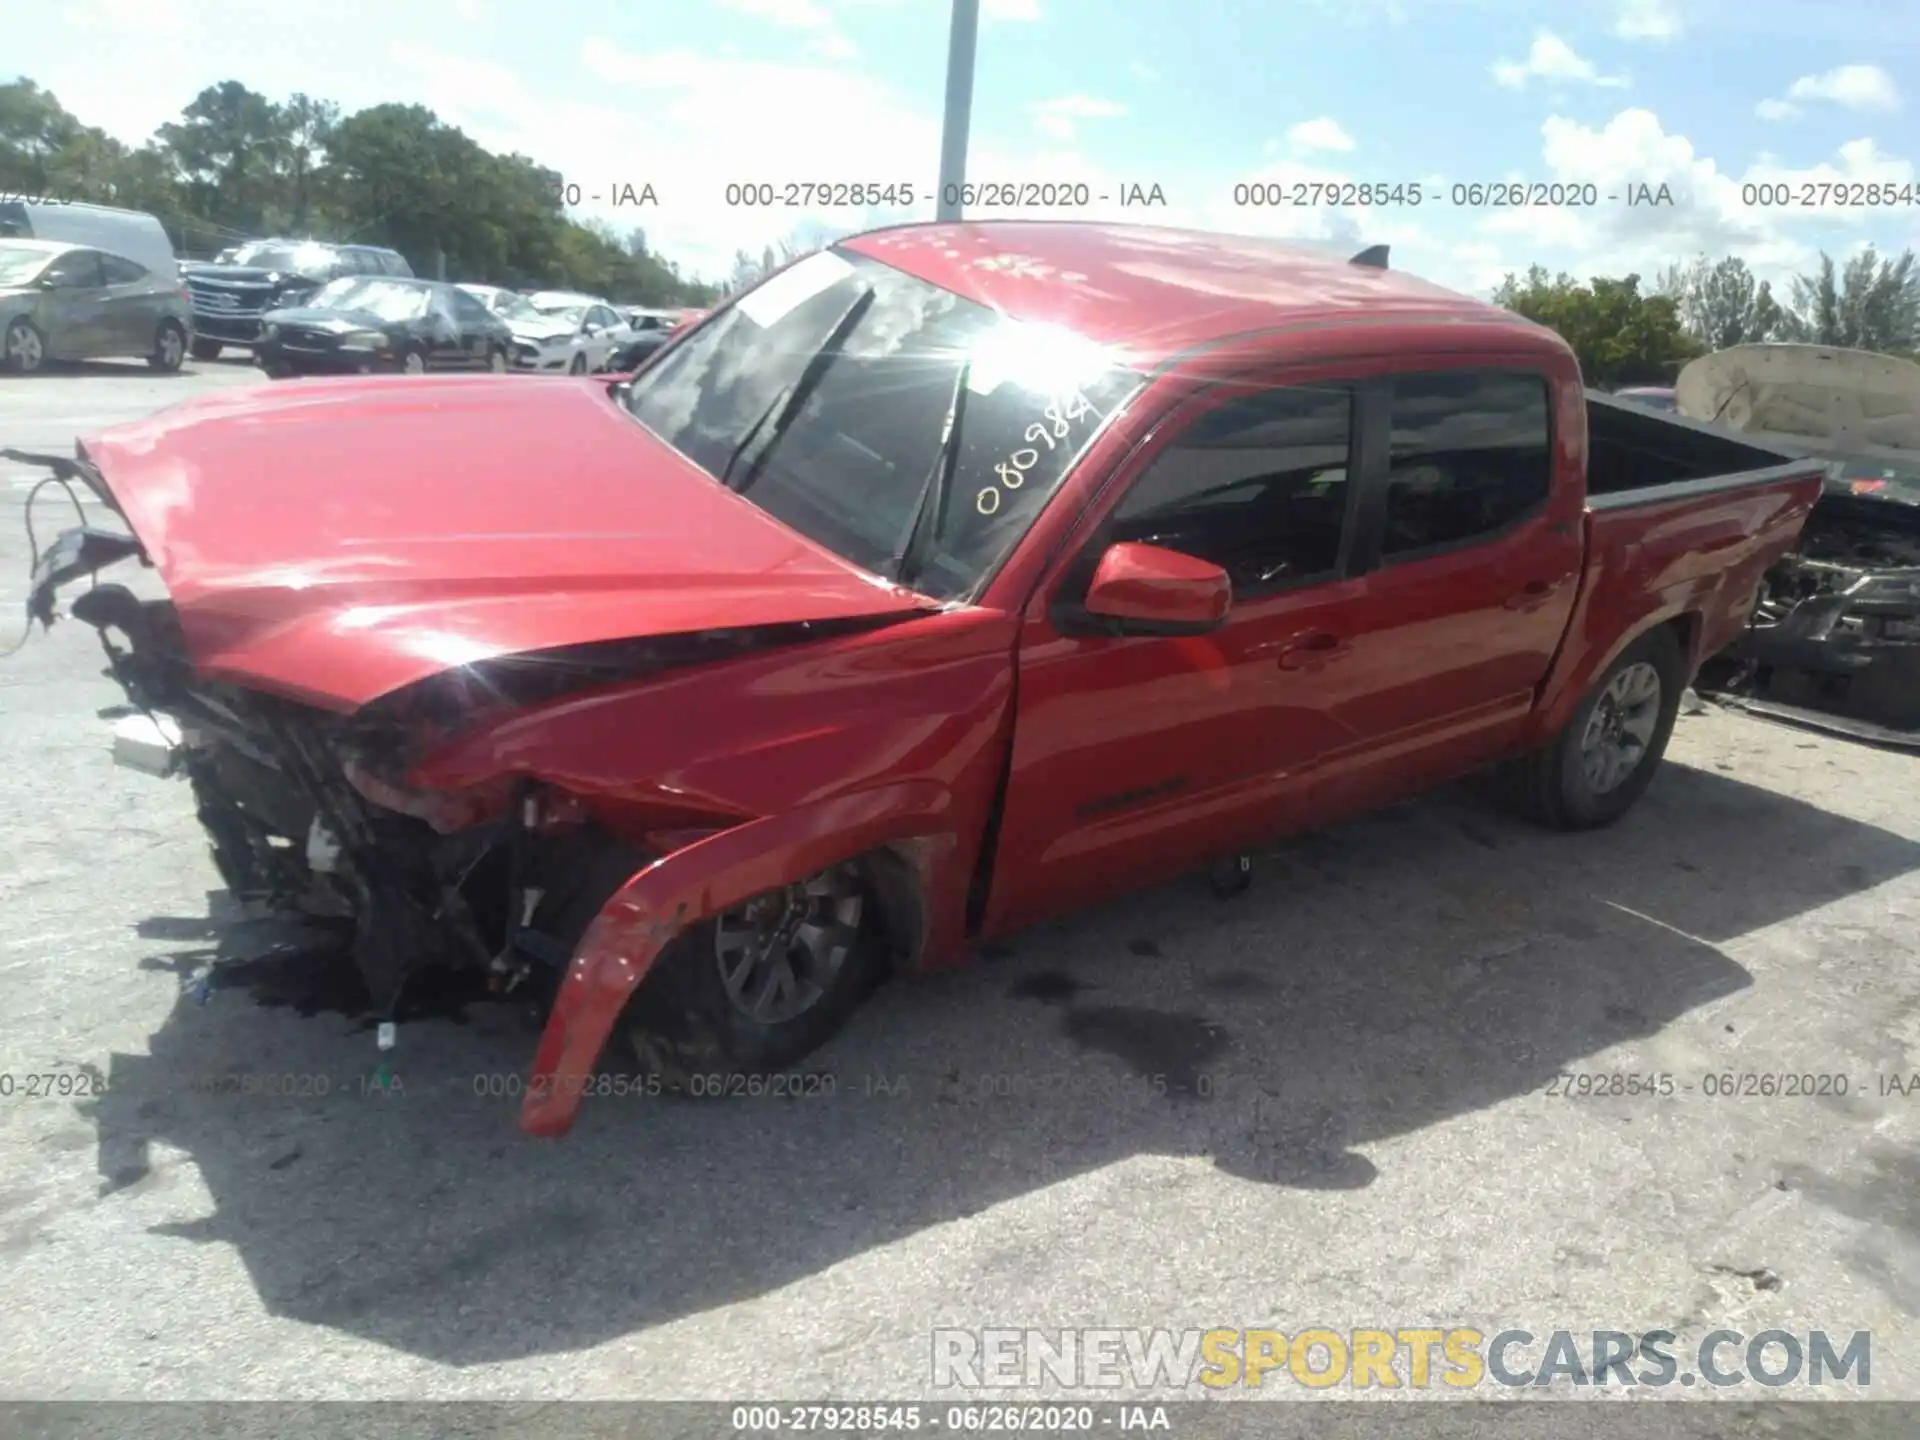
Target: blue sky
x=1704 y=96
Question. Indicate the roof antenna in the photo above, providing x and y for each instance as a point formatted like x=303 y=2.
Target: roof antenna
x=1374 y=257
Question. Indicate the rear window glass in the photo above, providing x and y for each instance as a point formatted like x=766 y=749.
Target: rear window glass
x=1471 y=455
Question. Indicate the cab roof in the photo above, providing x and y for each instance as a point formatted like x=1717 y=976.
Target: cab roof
x=1155 y=292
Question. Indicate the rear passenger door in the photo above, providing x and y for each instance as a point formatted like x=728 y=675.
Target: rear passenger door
x=1470 y=544
x=131 y=305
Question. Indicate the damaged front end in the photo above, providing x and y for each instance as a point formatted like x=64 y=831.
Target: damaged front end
x=310 y=813
x=1834 y=642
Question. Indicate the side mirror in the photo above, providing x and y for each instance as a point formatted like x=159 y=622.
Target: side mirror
x=1151 y=590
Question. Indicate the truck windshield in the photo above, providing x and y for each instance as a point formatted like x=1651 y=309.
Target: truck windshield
x=825 y=396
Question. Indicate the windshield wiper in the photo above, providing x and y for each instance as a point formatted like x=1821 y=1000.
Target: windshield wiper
x=906 y=562
x=726 y=471
x=803 y=388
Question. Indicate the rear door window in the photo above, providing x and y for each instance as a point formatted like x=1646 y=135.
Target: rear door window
x=1471 y=456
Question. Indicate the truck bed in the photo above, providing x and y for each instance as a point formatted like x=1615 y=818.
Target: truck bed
x=1681 y=523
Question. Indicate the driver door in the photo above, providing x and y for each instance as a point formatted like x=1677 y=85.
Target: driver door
x=1136 y=757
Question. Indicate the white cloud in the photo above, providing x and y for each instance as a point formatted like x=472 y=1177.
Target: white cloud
x=832 y=46
x=1551 y=58
x=1143 y=72
x=1027 y=10
x=1058 y=119
x=126 y=17
x=1709 y=213
x=1865 y=88
x=1323 y=133
x=796 y=14
x=1648 y=20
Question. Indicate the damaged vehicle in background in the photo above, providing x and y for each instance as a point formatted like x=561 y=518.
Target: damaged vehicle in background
x=1834 y=641
x=954 y=577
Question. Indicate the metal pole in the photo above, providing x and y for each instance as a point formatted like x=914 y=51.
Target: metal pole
x=953 y=135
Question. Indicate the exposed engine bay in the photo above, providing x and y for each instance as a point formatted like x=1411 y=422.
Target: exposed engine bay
x=1834 y=642
x=308 y=812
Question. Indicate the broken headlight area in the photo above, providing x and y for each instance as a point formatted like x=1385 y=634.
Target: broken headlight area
x=309 y=819
x=1834 y=641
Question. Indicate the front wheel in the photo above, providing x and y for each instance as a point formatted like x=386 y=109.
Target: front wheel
x=413 y=363
x=1603 y=759
x=752 y=991
x=578 y=366
x=497 y=362
x=25 y=348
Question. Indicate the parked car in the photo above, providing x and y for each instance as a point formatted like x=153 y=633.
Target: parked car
x=496 y=298
x=232 y=295
x=1654 y=397
x=360 y=324
x=72 y=302
x=914 y=599
x=560 y=331
x=131 y=234
x=650 y=329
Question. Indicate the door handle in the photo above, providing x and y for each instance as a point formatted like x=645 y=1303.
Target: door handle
x=1531 y=596
x=1309 y=652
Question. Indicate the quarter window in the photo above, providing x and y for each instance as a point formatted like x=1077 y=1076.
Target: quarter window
x=1258 y=486
x=1471 y=455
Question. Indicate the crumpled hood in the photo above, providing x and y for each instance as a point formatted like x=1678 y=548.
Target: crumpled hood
x=335 y=540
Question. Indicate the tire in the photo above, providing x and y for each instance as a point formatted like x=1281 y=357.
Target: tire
x=1603 y=759
x=23 y=349
x=206 y=350
x=682 y=1024
x=278 y=370
x=578 y=365
x=169 y=347
x=413 y=362
x=497 y=361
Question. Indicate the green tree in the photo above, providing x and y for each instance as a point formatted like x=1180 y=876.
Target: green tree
x=238 y=164
x=34 y=128
x=225 y=147
x=1721 y=304
x=1871 y=304
x=1620 y=336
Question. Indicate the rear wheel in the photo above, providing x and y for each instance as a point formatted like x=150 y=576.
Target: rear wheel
x=169 y=347
x=206 y=350
x=748 y=992
x=25 y=348
x=1603 y=759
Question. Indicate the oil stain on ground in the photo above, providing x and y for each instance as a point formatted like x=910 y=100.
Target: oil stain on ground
x=1150 y=1042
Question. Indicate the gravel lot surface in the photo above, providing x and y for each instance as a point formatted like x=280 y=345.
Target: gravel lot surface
x=1356 y=1130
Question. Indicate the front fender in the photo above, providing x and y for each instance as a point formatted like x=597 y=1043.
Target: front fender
x=715 y=874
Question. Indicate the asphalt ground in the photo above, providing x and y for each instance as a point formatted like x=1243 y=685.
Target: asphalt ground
x=1324 y=1103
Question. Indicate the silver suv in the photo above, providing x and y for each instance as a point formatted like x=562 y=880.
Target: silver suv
x=70 y=302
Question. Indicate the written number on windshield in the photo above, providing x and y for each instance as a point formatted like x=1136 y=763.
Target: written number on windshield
x=1055 y=426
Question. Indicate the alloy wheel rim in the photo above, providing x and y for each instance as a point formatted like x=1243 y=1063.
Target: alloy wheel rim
x=24 y=345
x=413 y=364
x=170 y=347
x=779 y=954
x=1620 y=729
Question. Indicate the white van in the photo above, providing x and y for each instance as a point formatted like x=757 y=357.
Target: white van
x=132 y=233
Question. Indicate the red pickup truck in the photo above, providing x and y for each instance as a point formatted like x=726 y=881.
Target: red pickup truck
x=954 y=577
